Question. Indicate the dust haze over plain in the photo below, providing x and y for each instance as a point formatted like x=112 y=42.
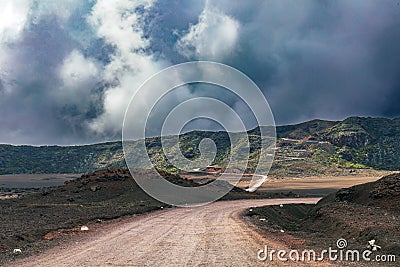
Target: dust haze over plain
x=68 y=69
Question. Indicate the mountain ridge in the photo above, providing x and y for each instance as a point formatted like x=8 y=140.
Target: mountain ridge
x=356 y=142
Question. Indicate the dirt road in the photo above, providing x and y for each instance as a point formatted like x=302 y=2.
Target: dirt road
x=211 y=235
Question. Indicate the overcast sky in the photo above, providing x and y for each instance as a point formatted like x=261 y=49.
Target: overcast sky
x=69 y=68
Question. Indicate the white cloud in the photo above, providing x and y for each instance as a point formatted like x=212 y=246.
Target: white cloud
x=17 y=16
x=62 y=9
x=77 y=75
x=14 y=16
x=213 y=37
x=77 y=71
x=119 y=23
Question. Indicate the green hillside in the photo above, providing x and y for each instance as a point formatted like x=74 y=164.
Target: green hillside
x=312 y=147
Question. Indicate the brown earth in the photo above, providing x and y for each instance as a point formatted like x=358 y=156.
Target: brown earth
x=319 y=185
x=30 y=222
x=357 y=214
x=301 y=186
x=37 y=222
x=210 y=235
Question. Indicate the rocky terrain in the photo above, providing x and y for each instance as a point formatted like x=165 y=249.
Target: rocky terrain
x=357 y=214
x=310 y=148
x=35 y=221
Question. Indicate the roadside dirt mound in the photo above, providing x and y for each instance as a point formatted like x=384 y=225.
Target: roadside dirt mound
x=387 y=188
x=384 y=193
x=357 y=214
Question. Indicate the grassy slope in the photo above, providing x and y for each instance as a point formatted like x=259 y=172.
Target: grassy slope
x=352 y=143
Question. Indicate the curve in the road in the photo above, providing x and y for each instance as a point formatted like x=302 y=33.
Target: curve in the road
x=210 y=235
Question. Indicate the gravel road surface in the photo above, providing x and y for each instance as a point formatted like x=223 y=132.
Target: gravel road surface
x=211 y=235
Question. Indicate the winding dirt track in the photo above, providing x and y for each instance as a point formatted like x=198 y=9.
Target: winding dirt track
x=211 y=235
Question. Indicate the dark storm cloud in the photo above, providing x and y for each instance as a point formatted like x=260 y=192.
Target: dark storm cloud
x=28 y=107
x=33 y=111
x=316 y=59
x=66 y=76
x=320 y=59
x=166 y=21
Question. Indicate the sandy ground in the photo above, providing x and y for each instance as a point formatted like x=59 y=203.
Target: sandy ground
x=306 y=186
x=317 y=185
x=211 y=235
x=34 y=180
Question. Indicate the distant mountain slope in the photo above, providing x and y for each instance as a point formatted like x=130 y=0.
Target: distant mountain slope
x=304 y=130
x=58 y=159
x=307 y=148
x=373 y=142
